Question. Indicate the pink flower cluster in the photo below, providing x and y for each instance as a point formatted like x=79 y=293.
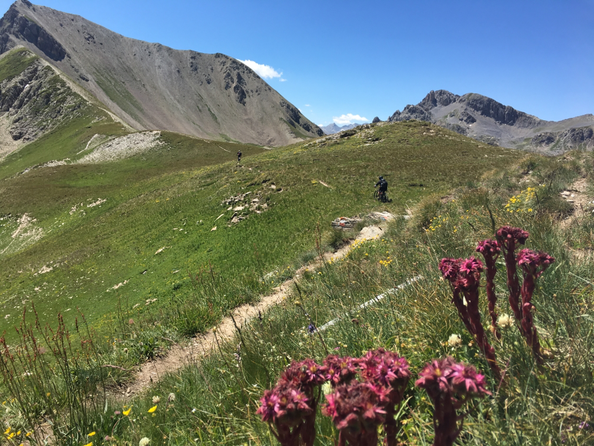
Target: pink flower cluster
x=450 y=385
x=490 y=251
x=357 y=412
x=291 y=405
x=366 y=394
x=383 y=374
x=464 y=278
x=533 y=264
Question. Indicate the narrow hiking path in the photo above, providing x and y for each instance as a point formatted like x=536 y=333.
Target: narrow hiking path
x=181 y=355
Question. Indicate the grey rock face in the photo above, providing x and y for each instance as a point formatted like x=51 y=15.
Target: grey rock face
x=439 y=97
x=543 y=139
x=15 y=24
x=467 y=117
x=37 y=101
x=499 y=112
x=579 y=135
x=411 y=112
x=150 y=86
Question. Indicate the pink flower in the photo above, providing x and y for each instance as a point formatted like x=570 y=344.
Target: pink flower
x=305 y=374
x=450 y=268
x=434 y=376
x=385 y=368
x=466 y=380
x=285 y=404
x=488 y=248
x=339 y=370
x=269 y=406
x=530 y=261
x=513 y=235
x=471 y=266
x=355 y=406
x=449 y=385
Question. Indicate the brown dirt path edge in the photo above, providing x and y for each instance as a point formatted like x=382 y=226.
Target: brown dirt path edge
x=203 y=344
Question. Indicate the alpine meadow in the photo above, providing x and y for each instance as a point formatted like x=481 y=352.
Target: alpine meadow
x=158 y=290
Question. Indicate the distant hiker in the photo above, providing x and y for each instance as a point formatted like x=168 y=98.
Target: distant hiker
x=383 y=188
x=239 y=156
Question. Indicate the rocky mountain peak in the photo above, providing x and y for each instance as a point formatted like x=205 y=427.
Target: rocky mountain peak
x=489 y=121
x=15 y=26
x=151 y=86
x=436 y=98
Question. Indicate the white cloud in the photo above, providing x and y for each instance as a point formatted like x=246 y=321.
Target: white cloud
x=264 y=71
x=307 y=105
x=349 y=119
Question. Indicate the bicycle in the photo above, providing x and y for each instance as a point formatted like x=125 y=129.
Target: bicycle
x=380 y=196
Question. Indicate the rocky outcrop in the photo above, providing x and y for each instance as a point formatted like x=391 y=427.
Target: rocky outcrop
x=409 y=113
x=543 y=139
x=503 y=114
x=36 y=100
x=575 y=138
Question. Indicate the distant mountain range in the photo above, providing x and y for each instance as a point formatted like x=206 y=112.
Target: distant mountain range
x=150 y=86
x=331 y=129
x=487 y=120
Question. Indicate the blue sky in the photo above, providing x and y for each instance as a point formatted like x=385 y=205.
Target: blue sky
x=346 y=58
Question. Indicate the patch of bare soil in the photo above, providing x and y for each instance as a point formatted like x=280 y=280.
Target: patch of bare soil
x=26 y=234
x=202 y=345
x=576 y=195
x=123 y=147
x=7 y=144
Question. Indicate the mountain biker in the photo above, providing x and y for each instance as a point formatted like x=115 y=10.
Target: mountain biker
x=383 y=188
x=239 y=156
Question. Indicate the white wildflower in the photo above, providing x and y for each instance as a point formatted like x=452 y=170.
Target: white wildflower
x=327 y=388
x=454 y=341
x=144 y=441
x=504 y=321
x=171 y=397
x=156 y=399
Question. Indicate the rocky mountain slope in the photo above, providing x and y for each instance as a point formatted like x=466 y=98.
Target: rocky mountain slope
x=487 y=120
x=35 y=100
x=150 y=86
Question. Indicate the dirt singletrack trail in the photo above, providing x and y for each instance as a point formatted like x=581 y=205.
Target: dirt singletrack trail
x=202 y=345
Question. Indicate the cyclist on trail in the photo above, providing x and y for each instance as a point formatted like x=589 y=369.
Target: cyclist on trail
x=383 y=188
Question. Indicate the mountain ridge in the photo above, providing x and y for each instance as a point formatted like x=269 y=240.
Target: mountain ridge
x=151 y=86
x=489 y=121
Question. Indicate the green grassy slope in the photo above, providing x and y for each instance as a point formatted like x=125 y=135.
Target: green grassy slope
x=169 y=201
